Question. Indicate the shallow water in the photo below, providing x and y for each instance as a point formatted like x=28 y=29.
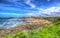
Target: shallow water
x=9 y=23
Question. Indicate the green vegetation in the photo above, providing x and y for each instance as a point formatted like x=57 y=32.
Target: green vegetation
x=48 y=32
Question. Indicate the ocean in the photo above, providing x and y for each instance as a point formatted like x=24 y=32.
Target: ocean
x=9 y=23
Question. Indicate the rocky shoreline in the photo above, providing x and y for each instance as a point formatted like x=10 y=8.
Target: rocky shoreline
x=40 y=23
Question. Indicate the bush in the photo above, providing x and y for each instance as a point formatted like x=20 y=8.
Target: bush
x=49 y=32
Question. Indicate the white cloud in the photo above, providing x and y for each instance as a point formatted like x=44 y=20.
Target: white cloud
x=32 y=5
x=30 y=14
x=53 y=9
x=29 y=3
x=48 y=11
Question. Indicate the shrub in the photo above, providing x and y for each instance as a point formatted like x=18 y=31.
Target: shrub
x=49 y=32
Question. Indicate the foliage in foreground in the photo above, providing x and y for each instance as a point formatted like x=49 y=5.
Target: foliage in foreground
x=47 y=32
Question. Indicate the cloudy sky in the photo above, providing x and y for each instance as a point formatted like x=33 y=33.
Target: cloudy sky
x=27 y=8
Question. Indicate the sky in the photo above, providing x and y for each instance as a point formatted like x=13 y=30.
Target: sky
x=27 y=8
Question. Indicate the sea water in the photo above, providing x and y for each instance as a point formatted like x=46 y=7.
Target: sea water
x=9 y=23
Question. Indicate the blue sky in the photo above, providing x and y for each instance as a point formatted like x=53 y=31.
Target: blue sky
x=27 y=8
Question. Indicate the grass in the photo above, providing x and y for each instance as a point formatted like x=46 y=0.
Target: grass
x=47 y=32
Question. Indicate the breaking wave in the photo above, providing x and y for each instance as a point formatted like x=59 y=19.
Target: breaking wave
x=9 y=23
